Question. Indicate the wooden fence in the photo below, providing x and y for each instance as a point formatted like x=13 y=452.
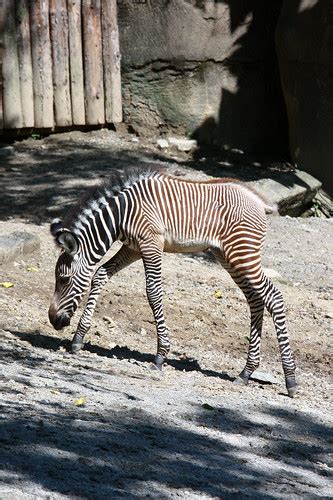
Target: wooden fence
x=60 y=63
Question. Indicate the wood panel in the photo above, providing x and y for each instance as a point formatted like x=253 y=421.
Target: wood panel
x=59 y=63
x=42 y=64
x=93 y=65
x=111 y=62
x=76 y=61
x=25 y=62
x=11 y=94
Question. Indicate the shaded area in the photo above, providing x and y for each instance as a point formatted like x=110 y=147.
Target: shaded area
x=120 y=352
x=252 y=114
x=121 y=448
x=44 y=178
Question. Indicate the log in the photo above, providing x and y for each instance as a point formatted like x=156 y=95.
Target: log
x=60 y=60
x=1 y=56
x=25 y=62
x=12 y=112
x=1 y=110
x=41 y=63
x=93 y=65
x=111 y=62
x=76 y=61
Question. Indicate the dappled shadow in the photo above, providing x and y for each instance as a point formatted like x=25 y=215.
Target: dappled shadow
x=120 y=352
x=96 y=453
x=40 y=183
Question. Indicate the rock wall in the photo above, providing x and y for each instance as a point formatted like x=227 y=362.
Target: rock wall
x=206 y=68
x=304 y=39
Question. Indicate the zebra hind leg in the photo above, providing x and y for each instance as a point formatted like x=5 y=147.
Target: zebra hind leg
x=256 y=306
x=274 y=303
x=253 y=357
x=272 y=299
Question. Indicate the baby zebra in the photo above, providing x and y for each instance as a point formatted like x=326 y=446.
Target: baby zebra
x=153 y=212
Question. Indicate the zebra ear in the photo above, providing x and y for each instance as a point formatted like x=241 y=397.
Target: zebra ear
x=56 y=227
x=68 y=242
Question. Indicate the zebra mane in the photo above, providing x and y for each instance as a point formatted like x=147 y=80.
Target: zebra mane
x=107 y=189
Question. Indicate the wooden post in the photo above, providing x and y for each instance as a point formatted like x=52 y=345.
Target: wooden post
x=60 y=57
x=1 y=109
x=76 y=61
x=93 y=66
x=41 y=63
x=12 y=112
x=25 y=62
x=2 y=24
x=111 y=62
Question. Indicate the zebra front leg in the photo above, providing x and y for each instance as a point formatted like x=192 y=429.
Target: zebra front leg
x=99 y=280
x=123 y=258
x=152 y=263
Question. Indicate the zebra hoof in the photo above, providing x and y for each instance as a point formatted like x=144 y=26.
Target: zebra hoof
x=291 y=387
x=76 y=347
x=159 y=360
x=241 y=381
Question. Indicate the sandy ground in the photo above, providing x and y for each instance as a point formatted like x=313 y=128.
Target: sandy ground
x=103 y=424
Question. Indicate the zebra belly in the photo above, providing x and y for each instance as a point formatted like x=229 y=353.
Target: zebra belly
x=188 y=246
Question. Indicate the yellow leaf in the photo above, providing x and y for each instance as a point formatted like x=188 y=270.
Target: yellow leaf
x=55 y=391
x=218 y=294
x=80 y=401
x=32 y=269
x=6 y=284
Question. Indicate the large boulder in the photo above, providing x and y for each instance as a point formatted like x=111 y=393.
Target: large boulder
x=304 y=40
x=203 y=67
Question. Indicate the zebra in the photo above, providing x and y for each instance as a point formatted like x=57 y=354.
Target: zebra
x=153 y=212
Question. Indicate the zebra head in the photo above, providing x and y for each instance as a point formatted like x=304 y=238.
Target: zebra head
x=73 y=275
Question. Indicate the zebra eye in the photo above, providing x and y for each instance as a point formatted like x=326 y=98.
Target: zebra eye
x=64 y=279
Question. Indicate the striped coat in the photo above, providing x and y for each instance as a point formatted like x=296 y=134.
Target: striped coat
x=152 y=213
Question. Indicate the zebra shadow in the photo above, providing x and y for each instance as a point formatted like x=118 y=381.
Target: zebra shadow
x=41 y=341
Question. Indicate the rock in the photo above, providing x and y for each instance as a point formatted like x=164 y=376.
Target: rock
x=162 y=143
x=17 y=244
x=291 y=191
x=180 y=77
x=110 y=321
x=264 y=377
x=184 y=145
x=304 y=48
x=6 y=150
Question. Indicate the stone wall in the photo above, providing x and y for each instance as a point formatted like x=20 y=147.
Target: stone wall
x=304 y=39
x=206 y=68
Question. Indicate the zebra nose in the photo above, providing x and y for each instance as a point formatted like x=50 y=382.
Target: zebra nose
x=60 y=321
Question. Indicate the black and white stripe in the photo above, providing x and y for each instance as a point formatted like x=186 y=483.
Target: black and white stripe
x=151 y=213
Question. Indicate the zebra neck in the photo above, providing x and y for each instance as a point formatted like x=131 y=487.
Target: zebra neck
x=98 y=227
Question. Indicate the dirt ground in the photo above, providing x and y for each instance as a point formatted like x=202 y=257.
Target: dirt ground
x=103 y=424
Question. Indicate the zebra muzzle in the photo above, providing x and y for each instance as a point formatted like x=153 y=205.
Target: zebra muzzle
x=59 y=322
